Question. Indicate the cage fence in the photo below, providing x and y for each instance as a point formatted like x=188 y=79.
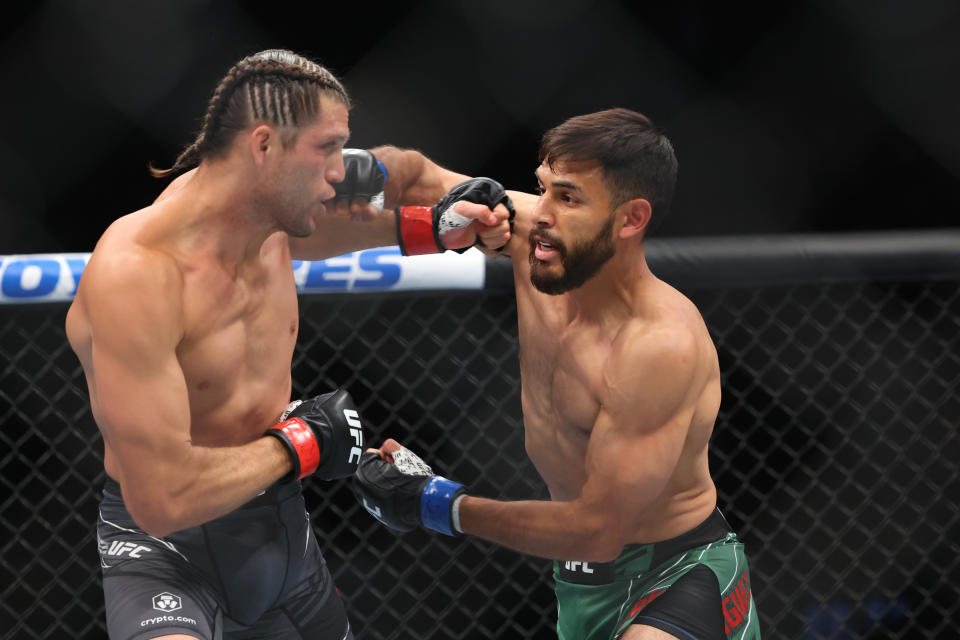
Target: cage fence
x=836 y=456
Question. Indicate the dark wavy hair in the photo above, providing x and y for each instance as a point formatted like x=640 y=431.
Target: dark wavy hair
x=637 y=158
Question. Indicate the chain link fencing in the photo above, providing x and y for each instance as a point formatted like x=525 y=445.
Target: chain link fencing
x=836 y=455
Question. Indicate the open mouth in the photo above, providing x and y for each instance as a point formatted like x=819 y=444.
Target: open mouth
x=544 y=250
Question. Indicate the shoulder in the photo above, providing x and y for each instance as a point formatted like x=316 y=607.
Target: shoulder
x=652 y=363
x=120 y=261
x=125 y=278
x=642 y=342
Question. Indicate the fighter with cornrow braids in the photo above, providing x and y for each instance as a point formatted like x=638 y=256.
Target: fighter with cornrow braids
x=185 y=323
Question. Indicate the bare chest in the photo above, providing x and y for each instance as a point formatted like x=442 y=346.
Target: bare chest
x=237 y=349
x=562 y=380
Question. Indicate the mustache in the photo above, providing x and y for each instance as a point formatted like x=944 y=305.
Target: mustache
x=538 y=236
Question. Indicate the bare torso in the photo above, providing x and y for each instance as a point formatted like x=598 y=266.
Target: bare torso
x=564 y=364
x=239 y=328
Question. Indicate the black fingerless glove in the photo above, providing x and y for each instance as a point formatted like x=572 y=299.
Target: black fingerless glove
x=419 y=228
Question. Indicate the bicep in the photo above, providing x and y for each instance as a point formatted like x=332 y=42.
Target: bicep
x=141 y=398
x=414 y=178
x=626 y=471
x=627 y=466
x=138 y=385
x=640 y=431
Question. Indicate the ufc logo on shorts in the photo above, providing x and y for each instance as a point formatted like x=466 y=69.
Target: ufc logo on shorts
x=167 y=602
x=118 y=548
x=356 y=430
x=576 y=565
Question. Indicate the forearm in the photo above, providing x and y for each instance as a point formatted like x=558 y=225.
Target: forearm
x=337 y=235
x=414 y=179
x=201 y=484
x=545 y=528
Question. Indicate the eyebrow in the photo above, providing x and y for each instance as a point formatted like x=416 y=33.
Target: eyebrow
x=566 y=184
x=335 y=139
x=563 y=184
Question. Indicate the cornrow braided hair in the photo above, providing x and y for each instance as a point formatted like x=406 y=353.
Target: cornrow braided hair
x=275 y=86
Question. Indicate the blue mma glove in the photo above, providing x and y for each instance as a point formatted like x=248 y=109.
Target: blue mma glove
x=406 y=493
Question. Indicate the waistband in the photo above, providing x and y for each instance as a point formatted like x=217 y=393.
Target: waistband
x=275 y=493
x=637 y=558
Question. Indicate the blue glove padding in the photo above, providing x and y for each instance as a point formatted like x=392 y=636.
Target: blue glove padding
x=436 y=501
x=406 y=493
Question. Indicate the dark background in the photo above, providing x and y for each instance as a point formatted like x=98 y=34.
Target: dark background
x=835 y=115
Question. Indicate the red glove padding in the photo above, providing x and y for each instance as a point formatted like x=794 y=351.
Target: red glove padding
x=419 y=229
x=323 y=435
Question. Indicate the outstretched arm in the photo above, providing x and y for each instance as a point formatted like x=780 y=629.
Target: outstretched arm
x=352 y=224
x=633 y=450
x=420 y=181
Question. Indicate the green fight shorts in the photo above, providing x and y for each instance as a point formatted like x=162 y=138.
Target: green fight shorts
x=695 y=586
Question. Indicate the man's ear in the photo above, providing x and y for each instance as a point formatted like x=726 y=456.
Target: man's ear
x=262 y=141
x=638 y=212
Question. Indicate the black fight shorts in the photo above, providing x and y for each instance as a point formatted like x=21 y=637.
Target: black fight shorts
x=254 y=573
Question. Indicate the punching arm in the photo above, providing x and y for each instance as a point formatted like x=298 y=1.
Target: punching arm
x=634 y=447
x=427 y=208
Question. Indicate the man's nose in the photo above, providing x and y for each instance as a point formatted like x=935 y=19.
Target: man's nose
x=335 y=170
x=542 y=216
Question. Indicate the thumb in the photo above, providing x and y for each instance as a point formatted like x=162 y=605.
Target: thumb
x=475 y=211
x=388 y=447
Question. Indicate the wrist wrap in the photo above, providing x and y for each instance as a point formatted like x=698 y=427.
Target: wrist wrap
x=301 y=444
x=415 y=231
x=435 y=501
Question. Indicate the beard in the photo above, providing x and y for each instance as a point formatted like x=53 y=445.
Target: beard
x=579 y=264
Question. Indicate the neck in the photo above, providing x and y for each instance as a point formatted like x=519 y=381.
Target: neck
x=223 y=215
x=612 y=293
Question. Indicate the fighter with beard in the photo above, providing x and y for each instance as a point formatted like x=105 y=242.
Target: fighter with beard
x=620 y=393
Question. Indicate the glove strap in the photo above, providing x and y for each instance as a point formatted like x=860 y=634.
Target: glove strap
x=455 y=512
x=435 y=500
x=301 y=444
x=415 y=231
